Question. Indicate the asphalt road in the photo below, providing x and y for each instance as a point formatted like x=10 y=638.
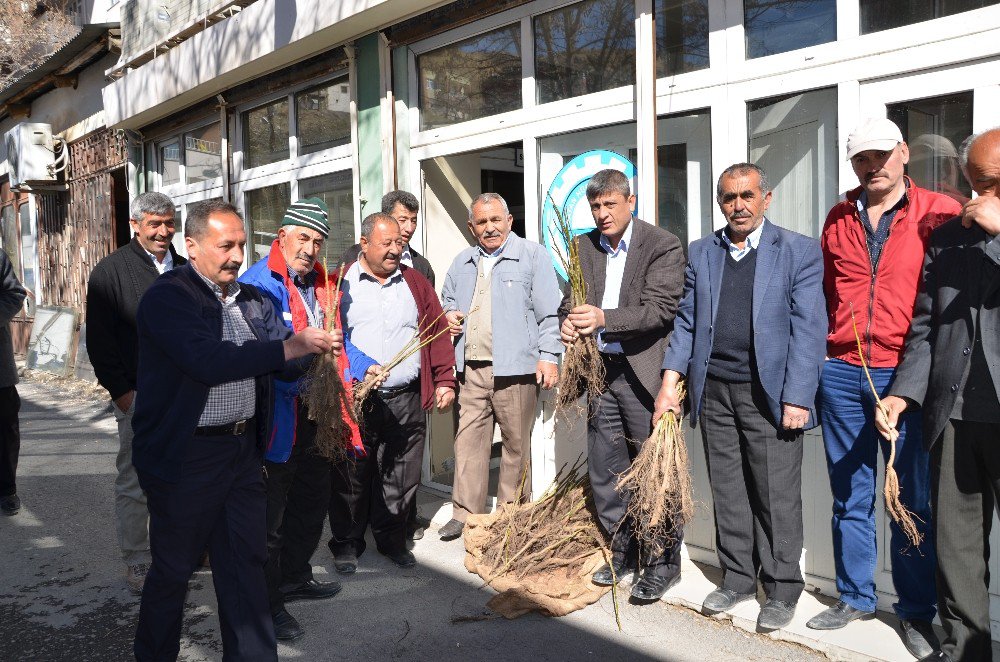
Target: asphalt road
x=63 y=597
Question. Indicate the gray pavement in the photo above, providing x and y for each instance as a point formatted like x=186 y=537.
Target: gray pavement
x=63 y=597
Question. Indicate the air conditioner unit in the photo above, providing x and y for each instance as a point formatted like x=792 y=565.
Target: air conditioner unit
x=30 y=154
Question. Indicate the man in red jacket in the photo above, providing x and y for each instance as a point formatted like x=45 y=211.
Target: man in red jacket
x=873 y=247
x=384 y=305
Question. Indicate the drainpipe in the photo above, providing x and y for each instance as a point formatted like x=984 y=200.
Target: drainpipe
x=224 y=145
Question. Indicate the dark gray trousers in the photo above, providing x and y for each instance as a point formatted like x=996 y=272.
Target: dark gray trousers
x=620 y=420
x=756 y=475
x=380 y=489
x=965 y=486
x=10 y=439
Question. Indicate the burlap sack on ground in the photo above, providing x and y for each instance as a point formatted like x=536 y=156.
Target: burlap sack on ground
x=555 y=592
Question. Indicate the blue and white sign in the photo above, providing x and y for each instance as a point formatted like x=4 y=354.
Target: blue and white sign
x=569 y=191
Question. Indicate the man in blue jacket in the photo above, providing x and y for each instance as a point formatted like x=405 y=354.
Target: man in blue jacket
x=505 y=291
x=208 y=348
x=298 y=480
x=750 y=336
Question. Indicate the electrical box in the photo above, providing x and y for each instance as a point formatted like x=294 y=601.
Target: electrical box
x=30 y=154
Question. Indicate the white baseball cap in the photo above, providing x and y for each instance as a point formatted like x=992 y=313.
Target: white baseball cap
x=874 y=133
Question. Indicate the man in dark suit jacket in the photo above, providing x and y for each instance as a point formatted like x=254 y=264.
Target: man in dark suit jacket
x=634 y=273
x=12 y=295
x=402 y=206
x=750 y=336
x=116 y=284
x=951 y=369
x=208 y=348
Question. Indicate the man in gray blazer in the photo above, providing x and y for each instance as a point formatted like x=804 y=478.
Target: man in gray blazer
x=634 y=273
x=750 y=336
x=501 y=296
x=951 y=369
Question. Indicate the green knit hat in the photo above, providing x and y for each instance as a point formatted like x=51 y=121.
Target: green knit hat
x=310 y=213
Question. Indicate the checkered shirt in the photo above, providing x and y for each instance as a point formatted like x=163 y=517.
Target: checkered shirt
x=236 y=400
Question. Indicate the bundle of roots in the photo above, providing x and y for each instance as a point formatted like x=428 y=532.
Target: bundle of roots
x=582 y=372
x=325 y=396
x=905 y=519
x=658 y=484
x=555 y=534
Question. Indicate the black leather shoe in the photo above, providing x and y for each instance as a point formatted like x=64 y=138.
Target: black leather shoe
x=724 y=599
x=604 y=576
x=919 y=638
x=651 y=586
x=345 y=563
x=286 y=628
x=837 y=617
x=403 y=558
x=451 y=530
x=775 y=614
x=415 y=531
x=10 y=505
x=311 y=590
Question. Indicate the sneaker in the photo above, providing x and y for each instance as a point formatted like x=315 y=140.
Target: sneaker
x=10 y=505
x=135 y=577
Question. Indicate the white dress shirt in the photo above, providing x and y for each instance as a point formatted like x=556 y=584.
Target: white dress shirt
x=613 y=282
x=166 y=265
x=752 y=242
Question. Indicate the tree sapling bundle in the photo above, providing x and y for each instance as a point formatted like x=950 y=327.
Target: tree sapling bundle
x=582 y=372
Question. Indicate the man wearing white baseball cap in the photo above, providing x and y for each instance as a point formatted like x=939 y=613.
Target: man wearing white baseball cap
x=873 y=250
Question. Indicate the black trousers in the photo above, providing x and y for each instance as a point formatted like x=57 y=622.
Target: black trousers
x=381 y=488
x=219 y=502
x=965 y=487
x=10 y=439
x=755 y=471
x=298 y=496
x=619 y=421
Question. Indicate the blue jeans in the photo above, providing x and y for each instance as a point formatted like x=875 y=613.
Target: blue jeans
x=847 y=412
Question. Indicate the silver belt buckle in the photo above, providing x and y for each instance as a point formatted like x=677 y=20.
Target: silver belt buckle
x=239 y=427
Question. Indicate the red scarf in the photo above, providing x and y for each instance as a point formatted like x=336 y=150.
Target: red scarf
x=300 y=320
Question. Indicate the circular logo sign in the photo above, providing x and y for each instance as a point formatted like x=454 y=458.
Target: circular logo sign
x=569 y=192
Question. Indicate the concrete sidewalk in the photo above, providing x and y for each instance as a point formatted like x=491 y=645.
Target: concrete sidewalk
x=62 y=596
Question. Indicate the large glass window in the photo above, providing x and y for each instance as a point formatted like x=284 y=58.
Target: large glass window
x=203 y=154
x=879 y=15
x=778 y=26
x=933 y=129
x=170 y=162
x=584 y=48
x=265 y=134
x=265 y=207
x=684 y=175
x=323 y=117
x=681 y=36
x=337 y=191
x=474 y=78
x=794 y=139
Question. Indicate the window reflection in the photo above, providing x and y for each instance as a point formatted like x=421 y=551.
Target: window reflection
x=337 y=191
x=681 y=36
x=265 y=134
x=933 y=129
x=794 y=139
x=203 y=154
x=323 y=117
x=587 y=47
x=170 y=163
x=474 y=78
x=779 y=26
x=265 y=207
x=877 y=15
